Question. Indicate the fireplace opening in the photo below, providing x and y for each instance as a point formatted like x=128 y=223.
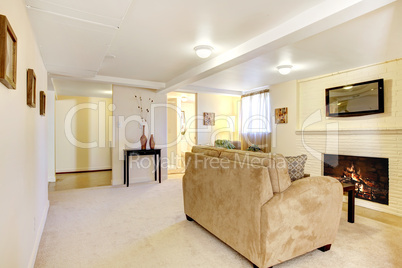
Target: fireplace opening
x=369 y=174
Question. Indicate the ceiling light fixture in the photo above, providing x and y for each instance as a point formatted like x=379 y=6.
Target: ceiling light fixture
x=184 y=98
x=284 y=69
x=203 y=51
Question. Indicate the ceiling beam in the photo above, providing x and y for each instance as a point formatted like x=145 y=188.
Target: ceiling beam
x=128 y=82
x=117 y=81
x=322 y=17
x=198 y=89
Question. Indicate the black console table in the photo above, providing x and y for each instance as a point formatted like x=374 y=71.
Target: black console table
x=350 y=188
x=131 y=152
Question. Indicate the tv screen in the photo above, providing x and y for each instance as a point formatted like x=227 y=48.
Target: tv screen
x=356 y=99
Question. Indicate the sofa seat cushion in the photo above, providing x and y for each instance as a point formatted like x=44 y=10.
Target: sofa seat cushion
x=276 y=164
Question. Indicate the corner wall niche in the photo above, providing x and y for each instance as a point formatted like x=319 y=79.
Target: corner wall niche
x=369 y=174
x=375 y=135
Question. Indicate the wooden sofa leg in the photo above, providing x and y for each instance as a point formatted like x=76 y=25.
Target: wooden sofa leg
x=189 y=218
x=325 y=248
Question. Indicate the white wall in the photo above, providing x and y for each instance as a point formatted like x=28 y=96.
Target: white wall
x=23 y=146
x=89 y=125
x=372 y=135
x=128 y=132
x=222 y=106
x=283 y=135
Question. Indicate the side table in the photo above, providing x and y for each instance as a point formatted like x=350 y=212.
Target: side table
x=131 y=152
x=350 y=188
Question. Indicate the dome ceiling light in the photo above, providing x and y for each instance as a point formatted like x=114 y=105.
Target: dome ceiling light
x=284 y=69
x=203 y=51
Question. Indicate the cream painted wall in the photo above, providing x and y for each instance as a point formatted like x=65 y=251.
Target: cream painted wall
x=189 y=137
x=23 y=146
x=222 y=106
x=127 y=131
x=51 y=151
x=173 y=133
x=284 y=135
x=90 y=126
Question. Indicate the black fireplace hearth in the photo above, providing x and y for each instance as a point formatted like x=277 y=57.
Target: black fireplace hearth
x=369 y=174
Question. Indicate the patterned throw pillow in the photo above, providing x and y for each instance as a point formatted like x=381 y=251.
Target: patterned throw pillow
x=296 y=166
x=224 y=144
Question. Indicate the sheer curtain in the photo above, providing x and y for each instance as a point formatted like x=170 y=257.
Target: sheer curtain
x=255 y=116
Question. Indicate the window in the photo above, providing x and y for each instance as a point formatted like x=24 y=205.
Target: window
x=255 y=118
x=255 y=113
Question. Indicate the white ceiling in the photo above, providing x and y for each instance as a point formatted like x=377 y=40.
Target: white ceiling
x=149 y=43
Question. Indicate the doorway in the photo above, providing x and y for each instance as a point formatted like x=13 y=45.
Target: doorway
x=82 y=134
x=182 y=126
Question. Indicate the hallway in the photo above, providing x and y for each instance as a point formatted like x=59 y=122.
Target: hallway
x=79 y=180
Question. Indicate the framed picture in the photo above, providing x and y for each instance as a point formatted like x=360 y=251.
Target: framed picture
x=281 y=115
x=31 y=88
x=8 y=54
x=42 y=103
x=209 y=119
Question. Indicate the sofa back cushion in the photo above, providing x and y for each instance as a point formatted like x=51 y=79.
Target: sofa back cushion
x=276 y=164
x=207 y=150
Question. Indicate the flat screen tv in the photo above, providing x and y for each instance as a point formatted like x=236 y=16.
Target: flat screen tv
x=356 y=99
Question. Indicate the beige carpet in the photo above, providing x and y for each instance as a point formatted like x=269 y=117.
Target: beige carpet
x=144 y=226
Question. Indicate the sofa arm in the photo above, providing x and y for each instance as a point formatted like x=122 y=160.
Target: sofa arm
x=226 y=197
x=303 y=218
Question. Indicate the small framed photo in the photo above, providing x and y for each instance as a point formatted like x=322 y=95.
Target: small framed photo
x=281 y=115
x=31 y=88
x=42 y=103
x=209 y=119
x=8 y=54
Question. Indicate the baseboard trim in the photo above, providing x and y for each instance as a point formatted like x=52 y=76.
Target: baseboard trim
x=83 y=171
x=39 y=236
x=51 y=179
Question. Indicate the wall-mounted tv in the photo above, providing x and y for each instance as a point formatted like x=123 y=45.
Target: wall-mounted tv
x=356 y=99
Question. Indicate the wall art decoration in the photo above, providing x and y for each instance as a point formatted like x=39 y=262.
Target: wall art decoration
x=31 y=88
x=8 y=54
x=281 y=115
x=42 y=103
x=209 y=119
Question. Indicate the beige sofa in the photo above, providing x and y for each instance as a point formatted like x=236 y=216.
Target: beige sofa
x=248 y=201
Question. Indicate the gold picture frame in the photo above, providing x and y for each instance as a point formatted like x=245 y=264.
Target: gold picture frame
x=281 y=115
x=31 y=88
x=8 y=54
x=209 y=119
x=42 y=103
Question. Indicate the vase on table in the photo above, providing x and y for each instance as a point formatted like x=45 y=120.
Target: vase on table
x=143 y=139
x=152 y=142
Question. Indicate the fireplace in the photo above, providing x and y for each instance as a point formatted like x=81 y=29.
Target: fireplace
x=369 y=174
